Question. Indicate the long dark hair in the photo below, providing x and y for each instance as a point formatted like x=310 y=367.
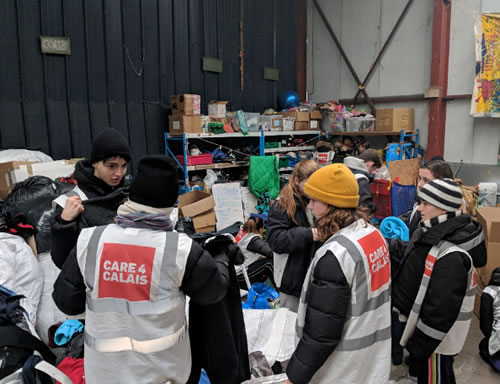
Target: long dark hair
x=440 y=169
x=337 y=218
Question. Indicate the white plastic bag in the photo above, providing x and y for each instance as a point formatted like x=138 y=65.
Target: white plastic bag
x=210 y=178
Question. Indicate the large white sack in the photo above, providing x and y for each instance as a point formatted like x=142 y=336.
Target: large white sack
x=48 y=313
x=23 y=155
x=20 y=272
x=272 y=332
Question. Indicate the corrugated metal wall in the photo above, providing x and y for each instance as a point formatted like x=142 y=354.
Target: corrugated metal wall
x=362 y=26
x=127 y=58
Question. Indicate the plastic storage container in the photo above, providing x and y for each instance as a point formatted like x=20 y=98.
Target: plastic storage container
x=333 y=122
x=360 y=124
x=271 y=122
x=206 y=158
x=252 y=119
x=403 y=198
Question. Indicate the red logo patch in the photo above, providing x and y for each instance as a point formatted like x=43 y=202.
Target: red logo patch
x=377 y=254
x=125 y=272
x=429 y=265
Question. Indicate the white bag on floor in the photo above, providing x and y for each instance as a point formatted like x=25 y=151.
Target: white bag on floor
x=48 y=313
x=20 y=272
x=271 y=331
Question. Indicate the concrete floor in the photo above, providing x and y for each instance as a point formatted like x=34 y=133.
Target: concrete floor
x=469 y=367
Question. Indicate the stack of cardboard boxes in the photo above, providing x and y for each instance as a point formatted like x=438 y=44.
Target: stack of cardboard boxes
x=489 y=217
x=185 y=116
x=305 y=121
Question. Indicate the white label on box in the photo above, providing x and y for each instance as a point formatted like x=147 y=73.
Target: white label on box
x=176 y=125
x=314 y=124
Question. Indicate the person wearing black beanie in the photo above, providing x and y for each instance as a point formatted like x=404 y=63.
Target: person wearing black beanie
x=131 y=278
x=95 y=199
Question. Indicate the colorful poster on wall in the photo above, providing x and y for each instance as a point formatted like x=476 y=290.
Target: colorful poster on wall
x=486 y=96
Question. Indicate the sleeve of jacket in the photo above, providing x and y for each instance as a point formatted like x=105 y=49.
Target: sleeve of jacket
x=69 y=288
x=328 y=300
x=259 y=246
x=206 y=278
x=365 y=195
x=486 y=314
x=64 y=238
x=442 y=303
x=282 y=236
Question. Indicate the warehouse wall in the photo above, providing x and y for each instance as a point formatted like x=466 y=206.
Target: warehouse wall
x=363 y=26
x=473 y=140
x=127 y=58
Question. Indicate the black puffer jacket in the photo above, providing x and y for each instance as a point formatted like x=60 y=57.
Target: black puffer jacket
x=448 y=283
x=100 y=209
x=258 y=245
x=296 y=239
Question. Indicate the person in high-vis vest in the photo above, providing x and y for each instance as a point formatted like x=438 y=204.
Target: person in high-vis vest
x=344 y=317
x=131 y=278
x=97 y=195
x=489 y=347
x=434 y=289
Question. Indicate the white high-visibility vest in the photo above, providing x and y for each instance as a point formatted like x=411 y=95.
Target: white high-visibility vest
x=135 y=329
x=494 y=341
x=363 y=355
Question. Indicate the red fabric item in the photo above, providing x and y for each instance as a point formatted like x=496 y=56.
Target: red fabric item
x=73 y=368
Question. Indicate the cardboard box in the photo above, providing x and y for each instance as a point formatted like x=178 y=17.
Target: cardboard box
x=489 y=217
x=395 y=119
x=200 y=207
x=479 y=292
x=316 y=115
x=14 y=172
x=314 y=125
x=301 y=126
x=217 y=109
x=179 y=124
x=298 y=116
x=186 y=104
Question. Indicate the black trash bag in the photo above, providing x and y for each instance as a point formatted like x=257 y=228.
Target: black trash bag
x=185 y=225
x=33 y=198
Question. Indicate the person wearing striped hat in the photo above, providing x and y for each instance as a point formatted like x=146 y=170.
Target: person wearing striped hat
x=433 y=291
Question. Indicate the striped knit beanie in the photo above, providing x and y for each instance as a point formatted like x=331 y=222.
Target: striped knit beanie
x=442 y=193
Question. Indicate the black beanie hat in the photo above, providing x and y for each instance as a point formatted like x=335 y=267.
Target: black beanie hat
x=156 y=183
x=109 y=143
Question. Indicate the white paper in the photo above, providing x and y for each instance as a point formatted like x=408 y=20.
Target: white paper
x=228 y=204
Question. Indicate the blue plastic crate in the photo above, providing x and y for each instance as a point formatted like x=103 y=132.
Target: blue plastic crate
x=403 y=198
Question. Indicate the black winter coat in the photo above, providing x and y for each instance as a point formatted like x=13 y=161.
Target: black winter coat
x=258 y=245
x=100 y=209
x=448 y=283
x=365 y=196
x=329 y=296
x=296 y=239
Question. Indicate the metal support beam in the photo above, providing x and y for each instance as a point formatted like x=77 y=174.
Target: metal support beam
x=301 y=47
x=344 y=55
x=384 y=47
x=439 y=77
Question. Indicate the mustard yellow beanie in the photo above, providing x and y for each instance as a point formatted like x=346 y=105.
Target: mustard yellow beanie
x=335 y=185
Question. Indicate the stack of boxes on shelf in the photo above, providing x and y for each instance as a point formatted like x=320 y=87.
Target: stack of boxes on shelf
x=185 y=116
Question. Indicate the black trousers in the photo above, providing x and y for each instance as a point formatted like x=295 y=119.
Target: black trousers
x=438 y=369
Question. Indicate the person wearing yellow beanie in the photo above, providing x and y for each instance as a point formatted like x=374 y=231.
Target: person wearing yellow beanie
x=334 y=185
x=346 y=293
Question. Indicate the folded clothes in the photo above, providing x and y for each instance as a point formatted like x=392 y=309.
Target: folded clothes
x=66 y=331
x=394 y=228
